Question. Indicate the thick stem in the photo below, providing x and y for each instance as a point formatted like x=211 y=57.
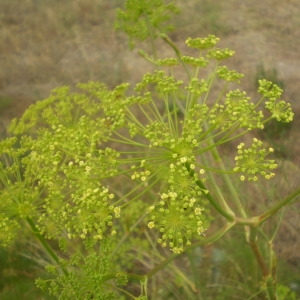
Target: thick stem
x=269 y=273
x=224 y=211
x=273 y=210
x=42 y=240
x=258 y=220
x=229 y=183
x=44 y=243
x=258 y=255
x=270 y=288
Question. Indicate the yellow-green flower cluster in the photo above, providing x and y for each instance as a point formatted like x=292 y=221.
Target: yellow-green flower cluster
x=229 y=75
x=194 y=61
x=236 y=110
x=197 y=87
x=280 y=110
x=167 y=62
x=240 y=108
x=8 y=230
x=59 y=164
x=163 y=83
x=158 y=134
x=178 y=214
x=54 y=112
x=202 y=43
x=18 y=201
x=193 y=125
x=87 y=212
x=178 y=219
x=219 y=53
x=251 y=162
x=141 y=176
x=220 y=118
x=269 y=89
x=86 y=275
x=182 y=180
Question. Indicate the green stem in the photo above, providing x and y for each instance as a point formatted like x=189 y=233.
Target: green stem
x=42 y=240
x=258 y=220
x=273 y=210
x=210 y=82
x=269 y=273
x=126 y=293
x=270 y=288
x=226 y=211
x=176 y=50
x=220 y=194
x=233 y=193
x=229 y=184
x=273 y=261
x=44 y=243
x=213 y=238
x=258 y=255
x=152 y=39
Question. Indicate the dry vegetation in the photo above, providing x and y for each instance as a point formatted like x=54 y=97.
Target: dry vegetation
x=49 y=43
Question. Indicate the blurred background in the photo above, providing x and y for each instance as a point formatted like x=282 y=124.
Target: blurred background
x=49 y=43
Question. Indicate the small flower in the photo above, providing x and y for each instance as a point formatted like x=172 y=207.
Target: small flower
x=228 y=75
x=117 y=211
x=198 y=211
x=183 y=159
x=151 y=225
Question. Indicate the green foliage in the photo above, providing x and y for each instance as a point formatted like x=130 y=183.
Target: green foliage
x=106 y=179
x=285 y=292
x=142 y=19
